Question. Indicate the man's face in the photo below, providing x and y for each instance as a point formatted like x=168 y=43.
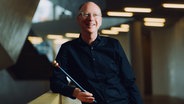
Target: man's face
x=90 y=18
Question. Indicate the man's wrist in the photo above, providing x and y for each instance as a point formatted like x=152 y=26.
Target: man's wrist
x=75 y=92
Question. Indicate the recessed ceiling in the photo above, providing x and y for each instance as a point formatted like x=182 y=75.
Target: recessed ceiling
x=118 y=5
x=171 y=15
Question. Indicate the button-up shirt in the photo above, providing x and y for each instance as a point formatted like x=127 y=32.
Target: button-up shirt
x=101 y=68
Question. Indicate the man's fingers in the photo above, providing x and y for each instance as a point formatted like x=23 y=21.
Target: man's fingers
x=86 y=97
x=87 y=94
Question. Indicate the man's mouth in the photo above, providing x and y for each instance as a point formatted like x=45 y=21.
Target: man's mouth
x=90 y=24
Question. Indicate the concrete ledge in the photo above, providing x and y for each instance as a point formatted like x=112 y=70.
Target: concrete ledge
x=67 y=100
x=47 y=98
x=54 y=98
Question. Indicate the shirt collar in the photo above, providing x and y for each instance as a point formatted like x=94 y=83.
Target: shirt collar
x=96 y=42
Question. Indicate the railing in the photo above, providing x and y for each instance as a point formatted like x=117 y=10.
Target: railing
x=54 y=98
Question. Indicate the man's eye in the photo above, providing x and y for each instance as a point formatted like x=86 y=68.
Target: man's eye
x=86 y=15
x=95 y=15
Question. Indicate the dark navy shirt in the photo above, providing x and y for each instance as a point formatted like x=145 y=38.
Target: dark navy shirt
x=101 y=68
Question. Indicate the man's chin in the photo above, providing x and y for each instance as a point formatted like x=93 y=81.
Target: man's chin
x=91 y=30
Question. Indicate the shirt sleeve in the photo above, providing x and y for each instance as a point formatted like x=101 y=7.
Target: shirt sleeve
x=58 y=80
x=128 y=76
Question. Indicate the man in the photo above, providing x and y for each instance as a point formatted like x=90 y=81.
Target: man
x=97 y=63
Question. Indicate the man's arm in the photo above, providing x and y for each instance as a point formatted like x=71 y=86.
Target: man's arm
x=128 y=77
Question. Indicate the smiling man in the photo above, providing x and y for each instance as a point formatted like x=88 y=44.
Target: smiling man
x=89 y=19
x=97 y=63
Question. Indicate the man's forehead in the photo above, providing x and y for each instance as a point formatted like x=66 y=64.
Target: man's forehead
x=90 y=5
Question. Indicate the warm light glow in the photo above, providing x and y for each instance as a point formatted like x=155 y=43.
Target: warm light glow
x=52 y=36
x=154 y=19
x=124 y=26
x=119 y=29
x=35 y=40
x=136 y=9
x=155 y=24
x=122 y=14
x=72 y=35
x=171 y=5
x=60 y=41
x=110 y=32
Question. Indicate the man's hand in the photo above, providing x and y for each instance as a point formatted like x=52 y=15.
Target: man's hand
x=83 y=96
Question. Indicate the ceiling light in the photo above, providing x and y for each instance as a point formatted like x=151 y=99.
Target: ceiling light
x=110 y=32
x=125 y=26
x=155 y=24
x=119 y=29
x=171 y=5
x=60 y=41
x=136 y=9
x=72 y=35
x=154 y=19
x=122 y=14
x=35 y=40
x=52 y=36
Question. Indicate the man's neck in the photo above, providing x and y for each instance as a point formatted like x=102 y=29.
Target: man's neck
x=89 y=38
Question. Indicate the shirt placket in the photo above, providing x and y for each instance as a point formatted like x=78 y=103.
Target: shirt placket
x=100 y=76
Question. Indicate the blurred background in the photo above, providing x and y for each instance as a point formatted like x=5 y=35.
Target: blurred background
x=150 y=31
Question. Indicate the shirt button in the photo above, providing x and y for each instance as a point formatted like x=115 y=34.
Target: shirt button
x=91 y=48
x=93 y=59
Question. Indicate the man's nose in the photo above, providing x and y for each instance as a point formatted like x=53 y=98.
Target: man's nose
x=91 y=16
